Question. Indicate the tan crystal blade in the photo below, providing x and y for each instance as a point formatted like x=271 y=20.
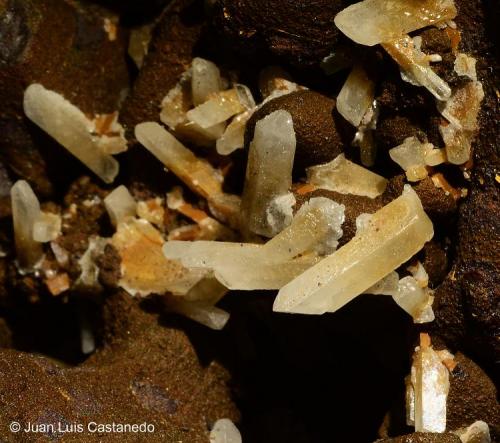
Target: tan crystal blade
x=394 y=234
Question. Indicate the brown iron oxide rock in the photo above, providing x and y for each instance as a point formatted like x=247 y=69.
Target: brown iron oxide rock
x=145 y=372
x=423 y=437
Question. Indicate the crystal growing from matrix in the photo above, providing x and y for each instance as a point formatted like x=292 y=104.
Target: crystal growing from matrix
x=269 y=169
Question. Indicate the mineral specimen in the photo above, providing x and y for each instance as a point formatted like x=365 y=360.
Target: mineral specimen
x=234 y=136
x=25 y=212
x=47 y=227
x=356 y=96
x=411 y=155
x=269 y=169
x=71 y=128
x=224 y=431
x=120 y=205
x=430 y=384
x=205 y=81
x=477 y=432
x=221 y=106
x=144 y=268
x=370 y=22
x=461 y=111
x=395 y=233
x=415 y=66
x=346 y=177
x=197 y=174
x=200 y=311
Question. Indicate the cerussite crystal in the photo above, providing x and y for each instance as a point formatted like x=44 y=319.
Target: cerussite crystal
x=120 y=205
x=70 y=127
x=375 y=21
x=428 y=389
x=25 y=212
x=356 y=96
x=269 y=169
x=393 y=235
x=343 y=176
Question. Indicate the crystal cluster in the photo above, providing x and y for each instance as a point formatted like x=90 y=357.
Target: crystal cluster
x=144 y=268
x=90 y=141
x=393 y=235
x=376 y=21
x=345 y=177
x=416 y=67
x=427 y=388
x=315 y=229
x=461 y=111
x=414 y=157
x=269 y=170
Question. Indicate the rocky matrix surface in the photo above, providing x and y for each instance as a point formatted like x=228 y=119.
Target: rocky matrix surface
x=235 y=221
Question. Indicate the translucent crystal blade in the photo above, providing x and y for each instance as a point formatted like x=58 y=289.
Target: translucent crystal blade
x=120 y=205
x=233 y=137
x=356 y=96
x=25 y=212
x=269 y=169
x=415 y=66
x=346 y=177
x=70 y=127
x=375 y=21
x=197 y=174
x=206 y=80
x=217 y=109
x=395 y=233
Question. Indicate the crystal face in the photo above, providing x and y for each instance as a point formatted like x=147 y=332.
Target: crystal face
x=70 y=127
x=345 y=177
x=393 y=235
x=375 y=21
x=269 y=169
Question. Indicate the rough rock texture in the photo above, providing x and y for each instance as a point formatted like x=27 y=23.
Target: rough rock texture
x=422 y=437
x=66 y=50
x=472 y=397
x=301 y=33
x=318 y=127
x=467 y=304
x=144 y=373
x=170 y=53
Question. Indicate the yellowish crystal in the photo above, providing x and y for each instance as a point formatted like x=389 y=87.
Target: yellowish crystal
x=375 y=21
x=343 y=176
x=393 y=235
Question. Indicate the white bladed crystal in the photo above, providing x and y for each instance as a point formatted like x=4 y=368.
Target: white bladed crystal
x=25 y=212
x=224 y=431
x=415 y=66
x=430 y=383
x=343 y=176
x=177 y=102
x=269 y=169
x=375 y=21
x=47 y=227
x=461 y=110
x=395 y=233
x=205 y=80
x=356 y=96
x=120 y=205
x=415 y=300
x=221 y=106
x=89 y=269
x=70 y=127
x=197 y=174
x=279 y=212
